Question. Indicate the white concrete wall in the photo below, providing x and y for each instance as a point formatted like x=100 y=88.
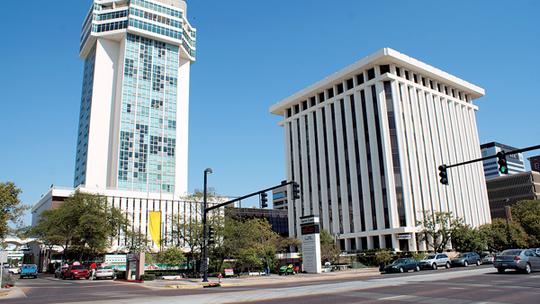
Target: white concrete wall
x=107 y=54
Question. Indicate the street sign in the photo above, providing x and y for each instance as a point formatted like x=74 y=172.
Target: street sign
x=3 y=257
x=404 y=236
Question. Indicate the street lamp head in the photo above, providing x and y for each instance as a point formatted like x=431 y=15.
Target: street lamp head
x=208 y=170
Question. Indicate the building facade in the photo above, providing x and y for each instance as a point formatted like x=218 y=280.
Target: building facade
x=365 y=144
x=133 y=123
x=535 y=163
x=510 y=189
x=277 y=218
x=136 y=207
x=515 y=162
x=279 y=198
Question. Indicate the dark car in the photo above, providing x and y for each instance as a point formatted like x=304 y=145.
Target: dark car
x=524 y=260
x=75 y=272
x=28 y=271
x=466 y=259
x=402 y=265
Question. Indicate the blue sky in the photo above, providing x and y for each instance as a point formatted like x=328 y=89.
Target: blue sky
x=250 y=55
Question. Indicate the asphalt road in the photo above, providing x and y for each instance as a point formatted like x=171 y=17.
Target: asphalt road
x=454 y=286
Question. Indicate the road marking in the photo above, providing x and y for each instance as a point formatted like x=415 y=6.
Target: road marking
x=458 y=288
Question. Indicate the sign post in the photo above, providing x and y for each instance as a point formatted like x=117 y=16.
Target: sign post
x=3 y=259
x=311 y=244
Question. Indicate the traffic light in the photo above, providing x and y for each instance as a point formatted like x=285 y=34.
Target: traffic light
x=503 y=165
x=211 y=239
x=264 y=200
x=296 y=191
x=443 y=174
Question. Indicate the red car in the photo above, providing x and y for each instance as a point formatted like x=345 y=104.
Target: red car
x=75 y=272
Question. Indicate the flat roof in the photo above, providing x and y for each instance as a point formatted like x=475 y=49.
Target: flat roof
x=383 y=55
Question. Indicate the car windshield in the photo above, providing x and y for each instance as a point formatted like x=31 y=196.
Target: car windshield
x=29 y=266
x=430 y=257
x=511 y=252
x=77 y=267
x=399 y=261
x=105 y=268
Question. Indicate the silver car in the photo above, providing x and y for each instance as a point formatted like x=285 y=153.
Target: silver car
x=434 y=261
x=524 y=260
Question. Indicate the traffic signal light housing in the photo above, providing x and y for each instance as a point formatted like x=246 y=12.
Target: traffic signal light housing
x=296 y=191
x=503 y=164
x=443 y=173
x=211 y=239
x=264 y=200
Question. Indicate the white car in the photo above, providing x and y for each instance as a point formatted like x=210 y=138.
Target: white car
x=105 y=273
x=11 y=270
x=435 y=261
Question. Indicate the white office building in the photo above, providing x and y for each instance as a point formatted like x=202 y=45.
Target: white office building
x=365 y=144
x=515 y=162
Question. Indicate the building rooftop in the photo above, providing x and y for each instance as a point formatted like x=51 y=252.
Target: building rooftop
x=385 y=55
x=496 y=144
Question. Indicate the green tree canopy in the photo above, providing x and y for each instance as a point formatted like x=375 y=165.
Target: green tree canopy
x=467 y=238
x=500 y=236
x=437 y=229
x=171 y=256
x=83 y=222
x=11 y=208
x=527 y=213
x=329 y=250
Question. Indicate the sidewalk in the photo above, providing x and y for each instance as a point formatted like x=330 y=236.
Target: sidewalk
x=262 y=280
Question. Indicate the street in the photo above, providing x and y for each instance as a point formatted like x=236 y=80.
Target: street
x=455 y=286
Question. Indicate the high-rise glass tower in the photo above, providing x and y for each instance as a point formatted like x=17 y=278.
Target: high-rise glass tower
x=133 y=123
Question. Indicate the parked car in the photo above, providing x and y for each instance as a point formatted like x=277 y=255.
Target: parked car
x=28 y=271
x=402 y=265
x=488 y=258
x=75 y=272
x=58 y=271
x=524 y=260
x=536 y=250
x=105 y=272
x=434 y=261
x=466 y=259
x=11 y=270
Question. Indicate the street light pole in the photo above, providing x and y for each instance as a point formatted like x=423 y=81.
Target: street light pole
x=204 y=262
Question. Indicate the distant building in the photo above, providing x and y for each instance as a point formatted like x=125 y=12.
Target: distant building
x=510 y=189
x=515 y=162
x=279 y=198
x=535 y=163
x=277 y=218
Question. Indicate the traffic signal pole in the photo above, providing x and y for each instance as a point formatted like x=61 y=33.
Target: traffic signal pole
x=208 y=209
x=498 y=155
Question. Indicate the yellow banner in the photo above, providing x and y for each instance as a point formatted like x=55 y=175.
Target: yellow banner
x=154 y=226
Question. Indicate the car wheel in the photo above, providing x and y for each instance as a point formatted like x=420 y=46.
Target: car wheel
x=417 y=268
x=527 y=269
x=500 y=270
x=478 y=263
x=434 y=266
x=401 y=270
x=465 y=263
x=447 y=265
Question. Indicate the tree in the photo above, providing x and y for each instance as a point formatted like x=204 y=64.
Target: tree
x=500 y=236
x=137 y=241
x=329 y=250
x=527 y=213
x=437 y=229
x=11 y=208
x=84 y=223
x=171 y=256
x=467 y=238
